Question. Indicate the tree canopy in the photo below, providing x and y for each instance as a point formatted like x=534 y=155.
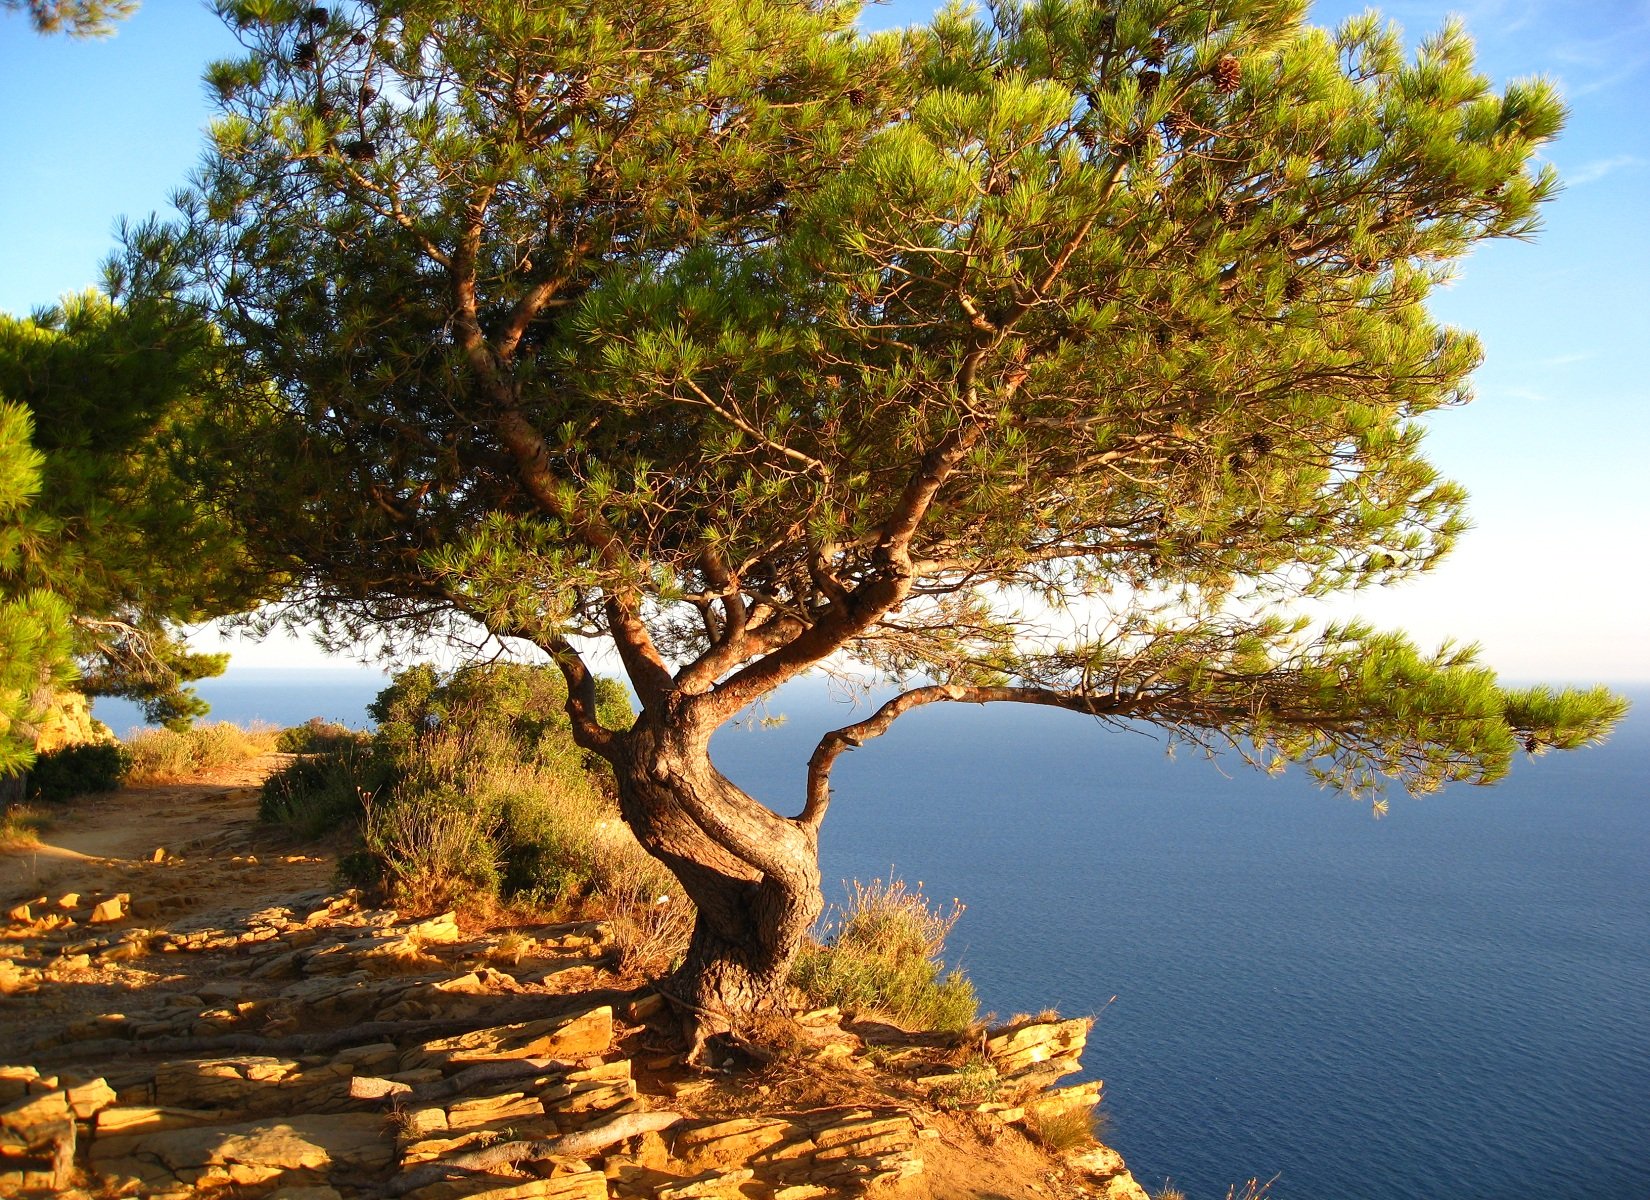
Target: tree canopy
x=115 y=540
x=1041 y=354
x=77 y=18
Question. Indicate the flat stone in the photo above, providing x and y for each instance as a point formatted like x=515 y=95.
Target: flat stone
x=578 y=1184
x=709 y=1185
x=728 y=1142
x=488 y=1110
x=245 y=1154
x=588 y=1034
x=148 y=1118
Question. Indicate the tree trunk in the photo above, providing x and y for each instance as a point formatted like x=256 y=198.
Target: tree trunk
x=753 y=877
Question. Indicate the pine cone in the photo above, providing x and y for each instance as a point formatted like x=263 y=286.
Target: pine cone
x=856 y=97
x=1088 y=137
x=1226 y=212
x=358 y=39
x=360 y=151
x=1294 y=288
x=1162 y=337
x=1149 y=81
x=578 y=91
x=1228 y=75
x=368 y=95
x=317 y=16
x=1156 y=51
x=1108 y=26
x=1176 y=124
x=304 y=54
x=1260 y=443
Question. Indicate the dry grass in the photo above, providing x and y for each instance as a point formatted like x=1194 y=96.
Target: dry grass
x=1168 y=1192
x=164 y=756
x=1063 y=1129
x=650 y=930
x=21 y=826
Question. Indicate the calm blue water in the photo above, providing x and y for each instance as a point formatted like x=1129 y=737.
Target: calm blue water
x=1452 y=1002
x=270 y=696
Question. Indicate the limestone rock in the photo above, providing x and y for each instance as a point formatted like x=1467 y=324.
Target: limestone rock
x=1123 y=1186
x=1101 y=1162
x=729 y=1142
x=37 y=1143
x=17 y=1082
x=489 y=1110
x=707 y=1185
x=577 y=1184
x=245 y=1154
x=590 y=1033
x=148 y=1118
x=16 y=980
x=110 y=910
x=90 y=1098
x=1046 y=1047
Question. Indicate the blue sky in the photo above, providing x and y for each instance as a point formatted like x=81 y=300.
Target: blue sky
x=1556 y=450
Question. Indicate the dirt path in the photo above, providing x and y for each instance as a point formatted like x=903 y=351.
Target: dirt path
x=176 y=847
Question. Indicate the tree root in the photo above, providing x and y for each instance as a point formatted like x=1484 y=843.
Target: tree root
x=572 y=1145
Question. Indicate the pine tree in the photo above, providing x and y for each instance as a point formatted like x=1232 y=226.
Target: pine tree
x=77 y=18
x=35 y=643
x=748 y=343
x=122 y=544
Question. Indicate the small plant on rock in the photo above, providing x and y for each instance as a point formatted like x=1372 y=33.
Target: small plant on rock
x=1063 y=1129
x=882 y=954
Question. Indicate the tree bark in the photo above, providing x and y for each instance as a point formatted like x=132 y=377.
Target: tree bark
x=752 y=875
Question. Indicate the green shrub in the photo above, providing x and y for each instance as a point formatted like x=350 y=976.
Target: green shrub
x=163 y=755
x=317 y=736
x=476 y=788
x=76 y=770
x=436 y=852
x=320 y=792
x=882 y=954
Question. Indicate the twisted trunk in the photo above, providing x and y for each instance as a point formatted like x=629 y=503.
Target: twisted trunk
x=753 y=876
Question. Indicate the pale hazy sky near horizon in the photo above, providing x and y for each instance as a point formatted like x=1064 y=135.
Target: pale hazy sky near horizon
x=1555 y=451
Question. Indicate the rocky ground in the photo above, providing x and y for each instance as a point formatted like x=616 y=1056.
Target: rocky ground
x=190 y=1008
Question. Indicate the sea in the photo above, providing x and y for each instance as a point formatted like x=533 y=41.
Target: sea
x=1451 y=1001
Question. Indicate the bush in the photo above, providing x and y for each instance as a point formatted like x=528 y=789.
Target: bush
x=76 y=770
x=317 y=736
x=164 y=755
x=436 y=853
x=324 y=791
x=474 y=787
x=882 y=954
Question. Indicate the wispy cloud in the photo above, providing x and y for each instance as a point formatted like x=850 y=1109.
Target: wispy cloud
x=1592 y=172
x=1565 y=360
